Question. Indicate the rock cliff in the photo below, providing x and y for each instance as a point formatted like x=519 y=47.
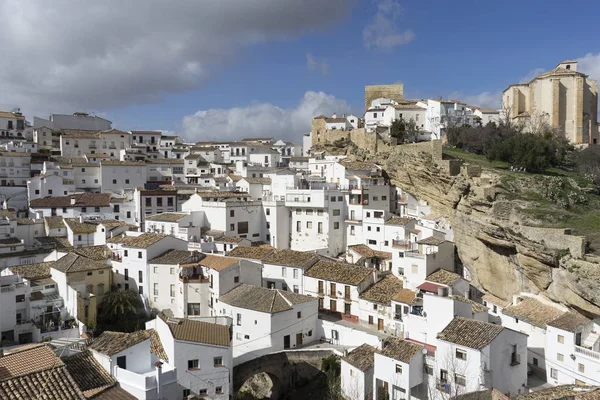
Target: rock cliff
x=500 y=240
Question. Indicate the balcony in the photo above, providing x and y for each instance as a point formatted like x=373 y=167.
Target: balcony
x=443 y=385
x=402 y=244
x=587 y=353
x=415 y=254
x=195 y=278
x=116 y=257
x=352 y=219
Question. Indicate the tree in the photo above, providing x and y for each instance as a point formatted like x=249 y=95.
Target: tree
x=587 y=162
x=119 y=311
x=398 y=130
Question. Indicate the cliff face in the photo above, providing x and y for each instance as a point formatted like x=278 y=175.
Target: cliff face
x=497 y=242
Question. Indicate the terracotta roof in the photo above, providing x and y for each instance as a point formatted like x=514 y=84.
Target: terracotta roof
x=400 y=349
x=97 y=253
x=89 y=375
x=97 y=155
x=54 y=242
x=236 y=178
x=431 y=241
x=408 y=107
x=122 y=163
x=470 y=333
x=299 y=159
x=33 y=271
x=251 y=252
x=362 y=357
x=54 y=222
x=475 y=307
x=400 y=221
x=10 y=114
x=175 y=257
x=430 y=287
x=262 y=299
x=383 y=291
x=79 y=134
x=229 y=239
x=167 y=217
x=570 y=321
x=533 y=312
x=81 y=200
x=335 y=120
x=405 y=296
x=262 y=181
x=113 y=393
x=80 y=227
x=146 y=133
x=219 y=195
x=73 y=262
x=198 y=331
x=142 y=241
x=490 y=298
x=339 y=272
x=574 y=392
x=10 y=242
x=292 y=258
x=54 y=383
x=218 y=263
x=156 y=346
x=443 y=276
x=365 y=251
x=111 y=343
x=112 y=223
x=28 y=360
x=165 y=161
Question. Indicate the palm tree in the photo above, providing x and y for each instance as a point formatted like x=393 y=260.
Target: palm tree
x=119 y=306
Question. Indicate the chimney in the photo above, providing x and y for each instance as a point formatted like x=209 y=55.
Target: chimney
x=73 y=201
x=450 y=291
x=334 y=115
x=158 y=375
x=81 y=219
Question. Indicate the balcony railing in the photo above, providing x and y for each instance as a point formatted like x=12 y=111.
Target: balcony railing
x=588 y=353
x=443 y=385
x=414 y=254
x=116 y=257
x=402 y=244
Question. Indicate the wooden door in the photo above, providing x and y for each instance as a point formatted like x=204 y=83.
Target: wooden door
x=370 y=320
x=333 y=305
x=298 y=339
x=380 y=324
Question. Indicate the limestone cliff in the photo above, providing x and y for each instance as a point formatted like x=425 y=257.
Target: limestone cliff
x=498 y=238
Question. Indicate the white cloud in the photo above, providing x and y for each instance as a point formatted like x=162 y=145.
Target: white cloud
x=590 y=64
x=382 y=32
x=99 y=55
x=314 y=64
x=483 y=99
x=261 y=119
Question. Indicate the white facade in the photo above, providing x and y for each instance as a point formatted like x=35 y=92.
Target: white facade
x=119 y=175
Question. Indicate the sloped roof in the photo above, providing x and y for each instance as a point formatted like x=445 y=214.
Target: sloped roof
x=400 y=221
x=111 y=343
x=292 y=258
x=365 y=251
x=431 y=241
x=251 y=252
x=78 y=227
x=167 y=217
x=262 y=299
x=54 y=222
x=470 y=333
x=475 y=307
x=142 y=241
x=362 y=357
x=156 y=346
x=81 y=200
x=28 y=360
x=218 y=263
x=400 y=349
x=198 y=331
x=97 y=253
x=533 y=312
x=175 y=257
x=570 y=321
x=339 y=272
x=89 y=375
x=383 y=291
x=73 y=262
x=33 y=271
x=490 y=298
x=443 y=276
x=405 y=296
x=52 y=384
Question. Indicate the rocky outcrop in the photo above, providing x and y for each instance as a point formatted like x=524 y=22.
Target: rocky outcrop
x=500 y=246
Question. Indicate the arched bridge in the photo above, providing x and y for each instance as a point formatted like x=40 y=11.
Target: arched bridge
x=287 y=370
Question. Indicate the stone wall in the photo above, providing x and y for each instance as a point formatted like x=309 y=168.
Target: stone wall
x=556 y=239
x=394 y=92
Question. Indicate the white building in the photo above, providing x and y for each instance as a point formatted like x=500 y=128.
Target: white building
x=398 y=369
x=473 y=355
x=201 y=354
x=573 y=350
x=356 y=373
x=375 y=304
x=74 y=205
x=286 y=269
x=442 y=114
x=78 y=120
x=414 y=266
x=128 y=358
x=267 y=320
x=183 y=225
x=117 y=175
x=338 y=286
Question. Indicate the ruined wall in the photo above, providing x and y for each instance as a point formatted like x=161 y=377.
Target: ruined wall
x=394 y=92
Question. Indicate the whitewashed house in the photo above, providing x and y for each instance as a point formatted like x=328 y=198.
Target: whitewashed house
x=286 y=269
x=398 y=369
x=356 y=373
x=338 y=286
x=199 y=351
x=375 y=304
x=118 y=175
x=183 y=225
x=430 y=255
x=268 y=320
x=74 y=205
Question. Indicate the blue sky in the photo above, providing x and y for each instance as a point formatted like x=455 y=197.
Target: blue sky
x=468 y=49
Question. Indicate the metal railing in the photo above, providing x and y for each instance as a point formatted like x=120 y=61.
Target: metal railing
x=587 y=352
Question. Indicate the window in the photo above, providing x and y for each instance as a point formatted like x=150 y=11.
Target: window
x=232 y=227
x=122 y=362
x=336 y=225
x=96 y=209
x=516 y=320
x=372 y=241
x=553 y=373
x=414 y=269
x=298 y=226
x=236 y=279
x=186 y=392
x=239 y=319
x=378 y=229
x=169 y=202
x=369 y=228
x=127 y=181
x=299 y=314
x=383 y=198
x=460 y=380
x=172 y=290
x=268 y=211
x=428 y=369
x=232 y=213
x=219 y=390
x=64 y=209
x=308 y=224
x=461 y=354
x=309 y=211
x=296 y=289
x=398 y=369
x=299 y=211
x=139 y=254
x=535 y=361
x=193 y=364
x=159 y=202
x=49 y=191
x=193 y=309
x=128 y=214
x=320 y=213
x=336 y=212
x=37 y=191
x=495 y=309
x=218 y=361
x=560 y=357
x=172 y=271
x=581 y=367
x=283 y=271
x=156 y=289
x=375 y=198
x=114 y=181
x=141 y=290
x=340 y=198
x=148 y=202
x=561 y=339
x=295 y=273
x=83 y=209
x=20 y=298
x=140 y=276
x=351 y=230
x=126 y=274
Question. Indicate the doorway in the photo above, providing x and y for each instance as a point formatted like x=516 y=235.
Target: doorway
x=379 y=324
x=298 y=339
x=286 y=342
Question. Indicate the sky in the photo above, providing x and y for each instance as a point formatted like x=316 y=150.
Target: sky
x=227 y=69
